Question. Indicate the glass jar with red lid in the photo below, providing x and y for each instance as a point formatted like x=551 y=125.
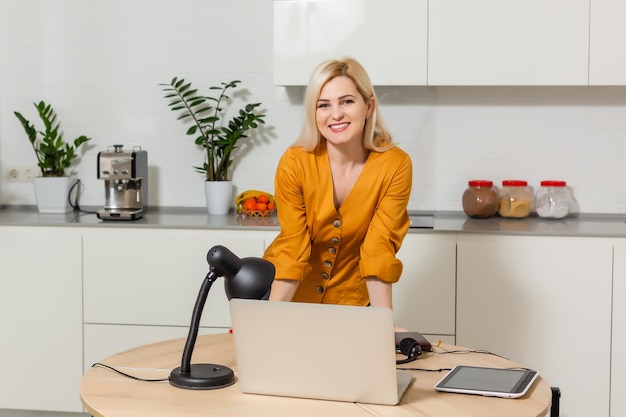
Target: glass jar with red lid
x=480 y=199
x=553 y=199
x=516 y=199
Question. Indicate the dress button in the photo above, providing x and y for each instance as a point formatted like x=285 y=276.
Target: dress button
x=324 y=275
x=320 y=289
x=334 y=240
x=332 y=250
x=337 y=223
x=328 y=264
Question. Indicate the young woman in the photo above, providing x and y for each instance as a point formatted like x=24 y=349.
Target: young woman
x=341 y=194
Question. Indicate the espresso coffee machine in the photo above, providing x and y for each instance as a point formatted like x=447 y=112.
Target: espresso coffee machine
x=125 y=176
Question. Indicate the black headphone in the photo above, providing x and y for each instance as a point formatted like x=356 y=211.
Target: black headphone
x=410 y=348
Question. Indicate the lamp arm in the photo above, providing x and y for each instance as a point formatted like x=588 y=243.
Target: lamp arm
x=185 y=366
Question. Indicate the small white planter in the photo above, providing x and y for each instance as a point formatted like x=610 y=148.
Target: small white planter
x=219 y=196
x=52 y=194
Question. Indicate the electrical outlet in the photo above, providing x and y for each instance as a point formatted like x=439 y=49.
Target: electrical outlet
x=22 y=173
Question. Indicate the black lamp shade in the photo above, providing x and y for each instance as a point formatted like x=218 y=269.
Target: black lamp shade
x=243 y=277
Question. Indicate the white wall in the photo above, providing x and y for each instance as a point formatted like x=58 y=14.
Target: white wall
x=100 y=63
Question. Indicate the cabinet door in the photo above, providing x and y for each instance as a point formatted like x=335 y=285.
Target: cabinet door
x=508 y=42
x=424 y=298
x=40 y=317
x=607 y=43
x=389 y=38
x=618 y=365
x=152 y=277
x=544 y=302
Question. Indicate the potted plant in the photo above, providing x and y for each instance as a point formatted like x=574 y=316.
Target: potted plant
x=218 y=139
x=54 y=157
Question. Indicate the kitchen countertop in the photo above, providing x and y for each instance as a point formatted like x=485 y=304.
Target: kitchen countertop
x=596 y=225
x=161 y=218
x=590 y=225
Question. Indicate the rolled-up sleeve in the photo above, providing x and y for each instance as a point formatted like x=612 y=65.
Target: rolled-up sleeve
x=388 y=226
x=290 y=251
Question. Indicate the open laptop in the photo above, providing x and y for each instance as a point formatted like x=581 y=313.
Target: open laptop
x=320 y=351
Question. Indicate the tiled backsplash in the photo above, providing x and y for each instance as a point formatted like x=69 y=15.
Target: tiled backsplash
x=100 y=65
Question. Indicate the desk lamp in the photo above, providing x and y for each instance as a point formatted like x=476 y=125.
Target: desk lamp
x=243 y=278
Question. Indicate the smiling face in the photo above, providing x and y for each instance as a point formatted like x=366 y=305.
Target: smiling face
x=341 y=111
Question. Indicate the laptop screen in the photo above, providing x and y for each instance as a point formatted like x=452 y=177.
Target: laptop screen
x=332 y=352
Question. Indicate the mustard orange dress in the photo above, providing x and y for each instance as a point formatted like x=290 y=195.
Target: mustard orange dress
x=330 y=251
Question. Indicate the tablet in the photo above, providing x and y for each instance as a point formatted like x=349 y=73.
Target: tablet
x=492 y=382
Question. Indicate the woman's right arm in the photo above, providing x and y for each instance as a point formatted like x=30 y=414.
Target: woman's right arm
x=289 y=252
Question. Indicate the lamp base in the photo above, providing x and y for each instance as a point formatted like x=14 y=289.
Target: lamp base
x=203 y=376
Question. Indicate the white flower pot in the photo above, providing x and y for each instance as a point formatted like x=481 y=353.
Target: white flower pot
x=52 y=194
x=219 y=196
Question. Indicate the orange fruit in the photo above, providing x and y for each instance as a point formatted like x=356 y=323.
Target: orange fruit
x=271 y=206
x=250 y=204
x=261 y=206
x=263 y=198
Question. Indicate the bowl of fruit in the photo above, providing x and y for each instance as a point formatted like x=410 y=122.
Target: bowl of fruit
x=255 y=203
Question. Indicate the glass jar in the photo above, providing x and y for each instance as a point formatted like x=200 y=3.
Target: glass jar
x=480 y=199
x=516 y=199
x=553 y=199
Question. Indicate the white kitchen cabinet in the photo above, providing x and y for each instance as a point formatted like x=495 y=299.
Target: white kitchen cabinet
x=607 y=43
x=508 y=42
x=40 y=318
x=618 y=355
x=544 y=302
x=145 y=283
x=389 y=38
x=424 y=298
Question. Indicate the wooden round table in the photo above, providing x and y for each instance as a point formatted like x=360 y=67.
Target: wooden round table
x=105 y=393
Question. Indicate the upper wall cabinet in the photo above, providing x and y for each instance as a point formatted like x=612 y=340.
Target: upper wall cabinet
x=508 y=42
x=388 y=37
x=607 y=43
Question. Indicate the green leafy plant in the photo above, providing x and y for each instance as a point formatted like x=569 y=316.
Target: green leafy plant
x=205 y=113
x=54 y=155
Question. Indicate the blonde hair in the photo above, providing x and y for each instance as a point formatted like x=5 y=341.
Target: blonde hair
x=376 y=136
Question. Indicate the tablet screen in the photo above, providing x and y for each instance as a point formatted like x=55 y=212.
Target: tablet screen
x=509 y=383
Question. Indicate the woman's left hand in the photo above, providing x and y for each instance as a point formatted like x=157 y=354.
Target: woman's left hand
x=399 y=329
